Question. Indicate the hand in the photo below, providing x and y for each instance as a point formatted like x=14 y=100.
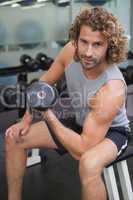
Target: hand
x=18 y=130
x=46 y=113
x=49 y=115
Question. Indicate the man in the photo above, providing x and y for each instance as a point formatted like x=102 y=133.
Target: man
x=96 y=44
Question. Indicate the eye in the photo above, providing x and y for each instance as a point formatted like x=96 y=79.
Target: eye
x=83 y=41
x=97 y=44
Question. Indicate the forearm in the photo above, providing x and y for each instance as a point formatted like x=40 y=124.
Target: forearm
x=71 y=140
x=27 y=118
x=54 y=73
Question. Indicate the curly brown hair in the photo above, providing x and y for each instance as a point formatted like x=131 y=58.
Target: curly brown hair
x=99 y=19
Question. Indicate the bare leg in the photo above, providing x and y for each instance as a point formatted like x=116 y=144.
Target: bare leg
x=91 y=167
x=94 y=189
x=15 y=168
x=38 y=136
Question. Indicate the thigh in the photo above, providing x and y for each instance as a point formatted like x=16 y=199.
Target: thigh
x=102 y=154
x=38 y=136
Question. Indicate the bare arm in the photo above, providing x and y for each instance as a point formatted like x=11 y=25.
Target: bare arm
x=58 y=67
x=96 y=123
x=55 y=72
x=27 y=118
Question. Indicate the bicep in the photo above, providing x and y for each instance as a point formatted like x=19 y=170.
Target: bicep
x=104 y=109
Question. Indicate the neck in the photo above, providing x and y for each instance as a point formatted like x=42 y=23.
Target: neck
x=93 y=73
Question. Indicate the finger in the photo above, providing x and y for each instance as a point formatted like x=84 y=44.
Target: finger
x=16 y=133
x=8 y=132
x=24 y=131
x=12 y=132
x=10 y=129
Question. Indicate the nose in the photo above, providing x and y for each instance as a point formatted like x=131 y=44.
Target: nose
x=89 y=51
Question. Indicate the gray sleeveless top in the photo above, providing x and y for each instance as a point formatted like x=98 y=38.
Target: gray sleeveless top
x=81 y=90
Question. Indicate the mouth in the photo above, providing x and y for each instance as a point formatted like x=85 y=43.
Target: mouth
x=88 y=61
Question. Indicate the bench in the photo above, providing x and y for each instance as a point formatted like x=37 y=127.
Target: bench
x=124 y=177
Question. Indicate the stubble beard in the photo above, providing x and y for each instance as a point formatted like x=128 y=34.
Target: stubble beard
x=89 y=66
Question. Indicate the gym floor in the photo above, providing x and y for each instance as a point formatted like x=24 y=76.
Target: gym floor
x=55 y=179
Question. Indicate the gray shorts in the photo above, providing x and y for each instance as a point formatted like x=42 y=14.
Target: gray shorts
x=119 y=135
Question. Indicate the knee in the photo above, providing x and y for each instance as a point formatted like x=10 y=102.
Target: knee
x=89 y=166
x=10 y=143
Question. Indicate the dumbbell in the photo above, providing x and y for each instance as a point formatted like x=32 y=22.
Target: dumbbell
x=43 y=61
x=129 y=70
x=29 y=62
x=130 y=55
x=41 y=96
x=124 y=72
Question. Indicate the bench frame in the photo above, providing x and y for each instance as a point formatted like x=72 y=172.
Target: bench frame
x=124 y=178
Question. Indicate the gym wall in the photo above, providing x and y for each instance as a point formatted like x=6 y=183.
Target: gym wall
x=51 y=23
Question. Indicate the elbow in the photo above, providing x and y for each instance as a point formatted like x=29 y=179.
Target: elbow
x=84 y=146
x=77 y=155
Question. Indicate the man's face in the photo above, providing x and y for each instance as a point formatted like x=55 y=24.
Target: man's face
x=92 y=48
